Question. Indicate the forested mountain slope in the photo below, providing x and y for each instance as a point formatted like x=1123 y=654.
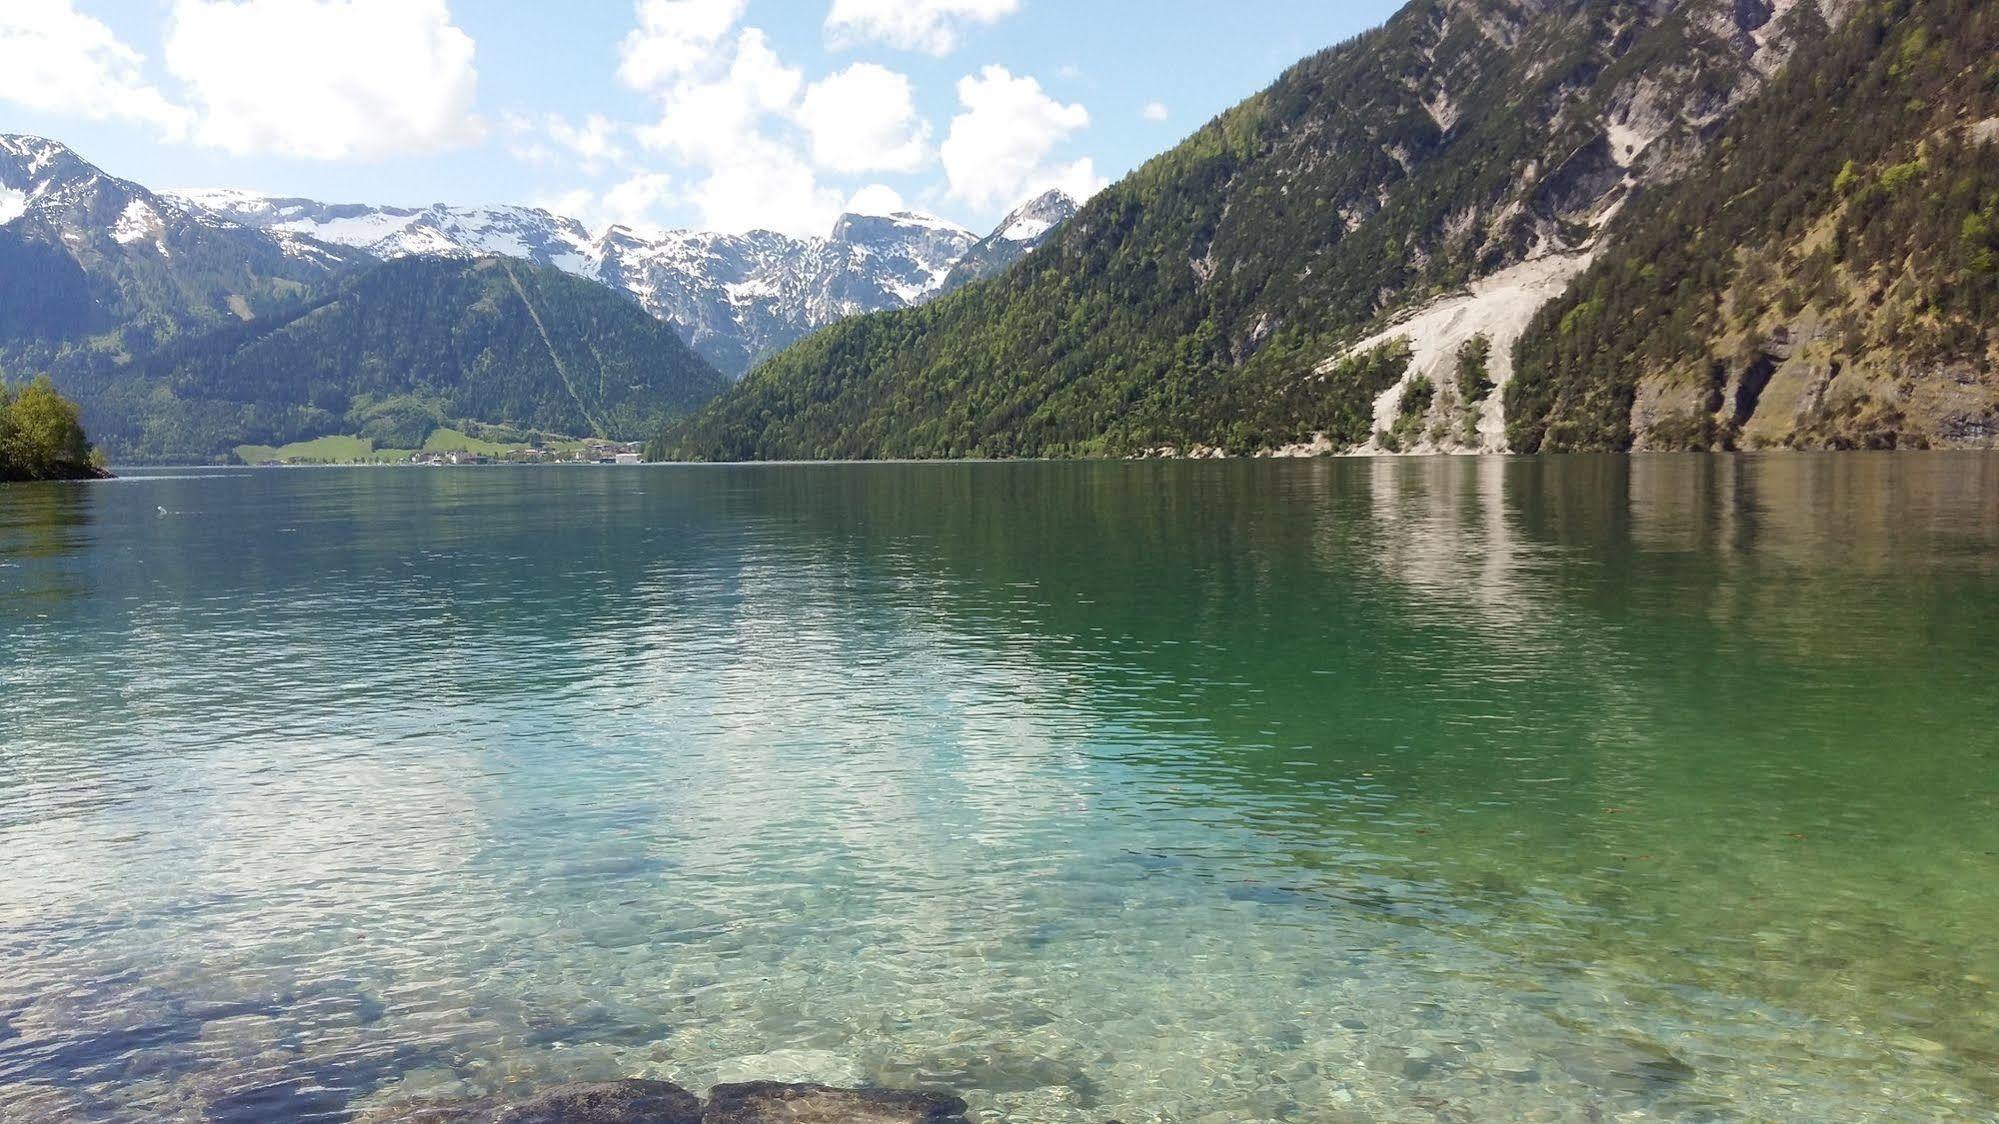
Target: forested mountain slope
x=401 y=349
x=1198 y=302
x=1830 y=279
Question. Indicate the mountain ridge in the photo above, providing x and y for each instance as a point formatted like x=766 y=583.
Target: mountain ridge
x=90 y=254
x=103 y=281
x=738 y=298
x=184 y=333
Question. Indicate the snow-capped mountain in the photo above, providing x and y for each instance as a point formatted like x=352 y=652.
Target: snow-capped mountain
x=398 y=232
x=736 y=297
x=43 y=181
x=742 y=297
x=82 y=251
x=1017 y=235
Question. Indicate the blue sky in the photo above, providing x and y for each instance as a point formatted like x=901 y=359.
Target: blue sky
x=726 y=114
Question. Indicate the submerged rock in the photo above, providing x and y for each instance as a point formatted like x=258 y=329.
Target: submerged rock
x=618 y=1102
x=768 y=1102
x=612 y=1102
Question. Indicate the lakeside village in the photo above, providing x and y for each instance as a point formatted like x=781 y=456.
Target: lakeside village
x=592 y=452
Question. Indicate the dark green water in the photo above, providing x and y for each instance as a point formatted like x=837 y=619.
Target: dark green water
x=1574 y=789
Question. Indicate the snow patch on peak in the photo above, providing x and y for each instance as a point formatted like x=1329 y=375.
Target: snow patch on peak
x=1032 y=220
x=1026 y=229
x=13 y=204
x=913 y=222
x=138 y=223
x=1023 y=231
x=39 y=152
x=930 y=222
x=219 y=198
x=392 y=232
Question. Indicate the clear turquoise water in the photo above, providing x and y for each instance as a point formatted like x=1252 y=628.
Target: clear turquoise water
x=1580 y=789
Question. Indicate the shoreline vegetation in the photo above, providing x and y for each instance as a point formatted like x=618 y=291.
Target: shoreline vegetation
x=42 y=437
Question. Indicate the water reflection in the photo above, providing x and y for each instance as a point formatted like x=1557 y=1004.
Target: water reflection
x=40 y=524
x=1392 y=789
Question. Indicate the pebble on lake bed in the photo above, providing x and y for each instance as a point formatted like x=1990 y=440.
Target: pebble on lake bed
x=661 y=1102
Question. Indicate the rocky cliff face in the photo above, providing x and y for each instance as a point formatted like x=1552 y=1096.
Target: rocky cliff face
x=1639 y=111
x=1828 y=279
x=739 y=298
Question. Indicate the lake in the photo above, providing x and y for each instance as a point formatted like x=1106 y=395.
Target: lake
x=1461 y=789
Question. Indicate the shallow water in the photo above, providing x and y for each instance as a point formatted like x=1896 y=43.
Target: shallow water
x=1576 y=789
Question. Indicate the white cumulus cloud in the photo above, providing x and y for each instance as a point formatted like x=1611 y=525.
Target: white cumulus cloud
x=325 y=79
x=590 y=146
x=999 y=148
x=864 y=119
x=579 y=204
x=765 y=186
x=706 y=115
x=721 y=104
x=931 y=26
x=632 y=201
x=674 y=38
x=1155 y=111
x=55 y=59
x=594 y=142
x=876 y=199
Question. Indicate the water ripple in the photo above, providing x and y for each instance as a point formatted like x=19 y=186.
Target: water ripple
x=1481 y=789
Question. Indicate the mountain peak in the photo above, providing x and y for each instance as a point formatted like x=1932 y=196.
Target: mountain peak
x=27 y=144
x=31 y=161
x=1032 y=220
x=736 y=297
x=853 y=221
x=1020 y=233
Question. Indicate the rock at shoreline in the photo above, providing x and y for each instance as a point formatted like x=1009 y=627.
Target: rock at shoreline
x=768 y=1102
